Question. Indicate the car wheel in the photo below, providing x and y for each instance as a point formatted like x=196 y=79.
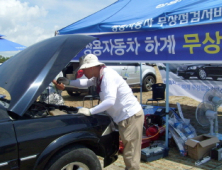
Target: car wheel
x=77 y=158
x=214 y=78
x=186 y=77
x=71 y=93
x=202 y=74
x=148 y=81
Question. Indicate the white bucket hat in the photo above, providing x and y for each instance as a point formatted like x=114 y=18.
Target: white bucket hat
x=89 y=60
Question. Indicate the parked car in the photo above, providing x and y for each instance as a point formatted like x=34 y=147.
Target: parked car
x=40 y=136
x=201 y=71
x=129 y=71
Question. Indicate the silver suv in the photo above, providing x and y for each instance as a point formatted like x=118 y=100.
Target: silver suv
x=129 y=71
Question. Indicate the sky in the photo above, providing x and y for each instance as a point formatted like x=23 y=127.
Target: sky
x=29 y=21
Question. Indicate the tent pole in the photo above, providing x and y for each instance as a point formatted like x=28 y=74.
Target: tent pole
x=167 y=104
x=140 y=83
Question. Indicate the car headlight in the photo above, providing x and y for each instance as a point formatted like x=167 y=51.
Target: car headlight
x=192 y=68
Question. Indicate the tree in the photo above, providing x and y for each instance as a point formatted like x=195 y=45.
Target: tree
x=3 y=59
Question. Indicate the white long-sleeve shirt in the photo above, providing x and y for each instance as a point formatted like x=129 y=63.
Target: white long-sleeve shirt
x=117 y=98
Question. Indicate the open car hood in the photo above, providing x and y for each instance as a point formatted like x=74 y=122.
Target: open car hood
x=26 y=75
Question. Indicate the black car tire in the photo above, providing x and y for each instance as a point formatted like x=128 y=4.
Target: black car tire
x=79 y=157
x=202 y=74
x=71 y=93
x=148 y=81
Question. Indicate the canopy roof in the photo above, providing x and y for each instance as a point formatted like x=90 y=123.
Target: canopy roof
x=140 y=15
x=157 y=31
x=6 y=45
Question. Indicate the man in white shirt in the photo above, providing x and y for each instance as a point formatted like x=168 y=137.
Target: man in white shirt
x=118 y=100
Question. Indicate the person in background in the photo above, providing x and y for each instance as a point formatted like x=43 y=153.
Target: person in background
x=118 y=100
x=53 y=93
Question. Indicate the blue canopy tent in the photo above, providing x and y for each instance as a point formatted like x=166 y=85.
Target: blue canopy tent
x=156 y=31
x=160 y=31
x=6 y=45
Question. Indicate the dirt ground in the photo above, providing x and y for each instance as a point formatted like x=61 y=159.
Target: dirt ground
x=174 y=161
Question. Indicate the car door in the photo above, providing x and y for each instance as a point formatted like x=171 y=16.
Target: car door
x=219 y=68
x=129 y=71
x=124 y=74
x=121 y=68
x=132 y=73
x=118 y=67
x=214 y=70
x=8 y=143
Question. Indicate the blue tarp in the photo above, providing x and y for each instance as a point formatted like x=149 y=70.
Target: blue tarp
x=6 y=45
x=139 y=30
x=140 y=15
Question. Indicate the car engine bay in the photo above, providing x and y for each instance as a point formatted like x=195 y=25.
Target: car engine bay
x=41 y=109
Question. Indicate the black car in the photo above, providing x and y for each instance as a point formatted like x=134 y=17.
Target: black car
x=202 y=71
x=39 y=136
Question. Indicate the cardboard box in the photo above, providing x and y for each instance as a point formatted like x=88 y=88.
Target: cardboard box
x=200 y=146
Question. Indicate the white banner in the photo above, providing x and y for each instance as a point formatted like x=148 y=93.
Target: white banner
x=192 y=80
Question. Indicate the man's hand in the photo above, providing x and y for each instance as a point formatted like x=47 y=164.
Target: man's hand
x=84 y=111
x=59 y=86
x=63 y=80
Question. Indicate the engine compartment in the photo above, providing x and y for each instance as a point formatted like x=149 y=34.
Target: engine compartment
x=41 y=109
